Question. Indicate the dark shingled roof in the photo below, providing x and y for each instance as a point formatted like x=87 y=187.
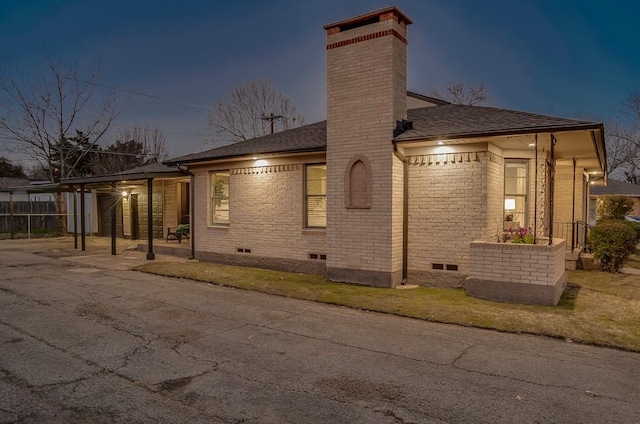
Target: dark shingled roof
x=616 y=187
x=442 y=121
x=9 y=182
x=308 y=138
x=453 y=121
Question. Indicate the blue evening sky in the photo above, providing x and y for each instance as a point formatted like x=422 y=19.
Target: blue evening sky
x=569 y=58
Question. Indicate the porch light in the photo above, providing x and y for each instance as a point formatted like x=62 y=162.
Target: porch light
x=532 y=144
x=509 y=204
x=124 y=193
x=255 y=158
x=440 y=143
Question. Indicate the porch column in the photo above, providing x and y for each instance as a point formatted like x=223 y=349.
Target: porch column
x=82 y=213
x=192 y=189
x=552 y=171
x=150 y=254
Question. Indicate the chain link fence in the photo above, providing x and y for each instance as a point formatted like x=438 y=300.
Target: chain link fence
x=29 y=219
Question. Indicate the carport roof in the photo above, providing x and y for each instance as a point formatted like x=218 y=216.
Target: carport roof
x=155 y=170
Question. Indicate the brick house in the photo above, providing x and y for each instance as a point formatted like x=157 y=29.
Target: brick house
x=393 y=186
x=614 y=188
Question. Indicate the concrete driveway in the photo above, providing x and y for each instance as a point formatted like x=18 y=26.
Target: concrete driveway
x=81 y=342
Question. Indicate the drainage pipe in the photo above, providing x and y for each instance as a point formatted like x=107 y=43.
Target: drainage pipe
x=405 y=212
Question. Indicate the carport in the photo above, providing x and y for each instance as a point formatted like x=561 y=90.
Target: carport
x=116 y=187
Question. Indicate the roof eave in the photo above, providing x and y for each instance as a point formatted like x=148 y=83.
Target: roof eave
x=589 y=126
x=198 y=161
x=120 y=178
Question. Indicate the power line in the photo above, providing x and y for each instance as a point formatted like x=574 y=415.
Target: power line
x=138 y=93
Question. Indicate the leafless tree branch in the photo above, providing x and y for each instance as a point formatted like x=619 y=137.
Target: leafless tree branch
x=458 y=93
x=39 y=116
x=239 y=116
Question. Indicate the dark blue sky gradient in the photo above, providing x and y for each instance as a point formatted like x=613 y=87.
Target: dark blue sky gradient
x=569 y=58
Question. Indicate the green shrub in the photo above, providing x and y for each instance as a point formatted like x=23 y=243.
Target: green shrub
x=612 y=241
x=613 y=207
x=635 y=226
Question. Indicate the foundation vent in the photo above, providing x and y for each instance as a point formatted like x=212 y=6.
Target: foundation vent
x=243 y=250
x=445 y=267
x=318 y=256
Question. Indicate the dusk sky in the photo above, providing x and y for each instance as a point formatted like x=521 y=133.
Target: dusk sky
x=573 y=58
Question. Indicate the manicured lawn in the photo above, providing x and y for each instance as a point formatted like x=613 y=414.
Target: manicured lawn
x=596 y=308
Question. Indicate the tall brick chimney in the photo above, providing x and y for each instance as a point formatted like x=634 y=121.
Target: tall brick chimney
x=366 y=96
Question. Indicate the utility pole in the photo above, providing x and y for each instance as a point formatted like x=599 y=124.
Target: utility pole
x=271 y=118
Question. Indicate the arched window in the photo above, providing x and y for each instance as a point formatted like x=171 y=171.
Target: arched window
x=358 y=183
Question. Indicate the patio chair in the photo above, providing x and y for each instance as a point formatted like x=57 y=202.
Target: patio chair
x=182 y=230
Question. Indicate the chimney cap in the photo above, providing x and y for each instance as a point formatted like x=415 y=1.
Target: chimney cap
x=402 y=17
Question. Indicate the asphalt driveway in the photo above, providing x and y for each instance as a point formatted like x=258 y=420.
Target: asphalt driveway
x=84 y=340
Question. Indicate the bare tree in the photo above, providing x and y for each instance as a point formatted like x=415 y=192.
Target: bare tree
x=457 y=93
x=623 y=140
x=252 y=110
x=135 y=146
x=39 y=117
x=8 y=169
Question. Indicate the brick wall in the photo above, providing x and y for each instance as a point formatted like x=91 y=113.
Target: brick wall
x=448 y=207
x=266 y=214
x=519 y=273
x=495 y=197
x=563 y=194
x=170 y=203
x=539 y=264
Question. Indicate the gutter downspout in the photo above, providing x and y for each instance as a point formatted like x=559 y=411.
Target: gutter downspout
x=192 y=189
x=535 y=194
x=574 y=227
x=405 y=212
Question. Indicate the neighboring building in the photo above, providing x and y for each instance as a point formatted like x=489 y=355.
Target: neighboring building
x=24 y=190
x=393 y=186
x=618 y=188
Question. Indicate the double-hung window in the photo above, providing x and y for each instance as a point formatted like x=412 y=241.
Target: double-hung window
x=220 y=198
x=516 y=188
x=316 y=196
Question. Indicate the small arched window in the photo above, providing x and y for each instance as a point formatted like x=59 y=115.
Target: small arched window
x=358 y=183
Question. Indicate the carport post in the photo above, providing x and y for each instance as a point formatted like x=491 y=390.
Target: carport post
x=11 y=228
x=75 y=217
x=82 y=229
x=113 y=219
x=150 y=254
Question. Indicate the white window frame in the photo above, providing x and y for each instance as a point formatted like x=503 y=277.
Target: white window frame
x=507 y=196
x=213 y=204
x=308 y=197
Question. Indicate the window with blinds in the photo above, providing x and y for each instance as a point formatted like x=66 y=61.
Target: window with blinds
x=220 y=198
x=516 y=187
x=316 y=196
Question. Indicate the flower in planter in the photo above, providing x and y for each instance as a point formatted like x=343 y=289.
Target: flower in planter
x=522 y=235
